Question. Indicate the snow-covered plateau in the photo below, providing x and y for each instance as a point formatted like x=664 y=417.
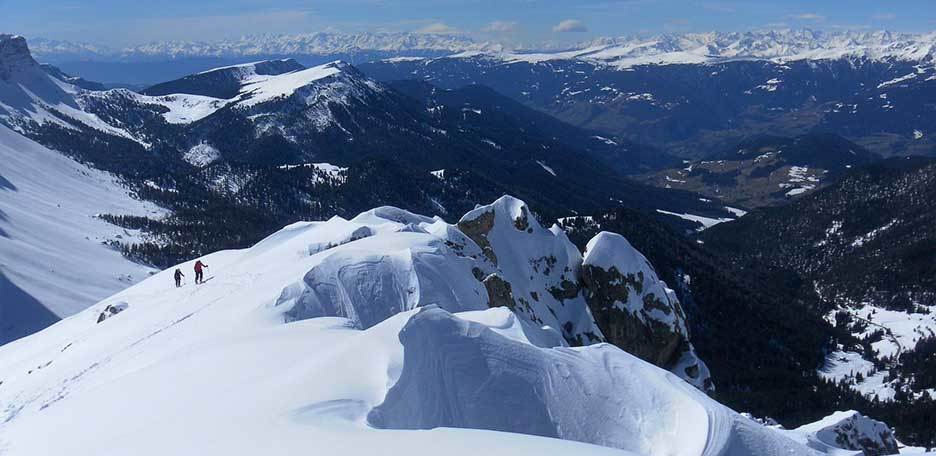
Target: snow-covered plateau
x=391 y=333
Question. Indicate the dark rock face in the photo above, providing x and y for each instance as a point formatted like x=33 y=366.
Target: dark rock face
x=499 y=292
x=477 y=230
x=14 y=54
x=860 y=433
x=646 y=338
x=636 y=311
x=111 y=310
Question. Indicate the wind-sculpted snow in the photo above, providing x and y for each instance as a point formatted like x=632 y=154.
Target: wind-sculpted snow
x=383 y=276
x=341 y=337
x=387 y=260
x=462 y=374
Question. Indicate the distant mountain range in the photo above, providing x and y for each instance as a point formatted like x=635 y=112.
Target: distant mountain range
x=622 y=51
x=322 y=43
x=697 y=95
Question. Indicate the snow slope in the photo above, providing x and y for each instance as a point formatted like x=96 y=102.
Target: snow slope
x=254 y=361
x=53 y=262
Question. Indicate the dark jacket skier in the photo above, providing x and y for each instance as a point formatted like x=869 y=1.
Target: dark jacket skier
x=178 y=277
x=199 y=271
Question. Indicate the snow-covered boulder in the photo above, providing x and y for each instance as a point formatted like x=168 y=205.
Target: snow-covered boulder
x=849 y=430
x=636 y=310
x=110 y=310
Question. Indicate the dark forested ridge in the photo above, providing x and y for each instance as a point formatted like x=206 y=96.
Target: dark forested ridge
x=694 y=110
x=761 y=330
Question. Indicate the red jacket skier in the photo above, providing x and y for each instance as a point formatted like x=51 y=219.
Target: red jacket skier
x=199 y=267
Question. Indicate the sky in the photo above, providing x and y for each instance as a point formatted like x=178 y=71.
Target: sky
x=518 y=22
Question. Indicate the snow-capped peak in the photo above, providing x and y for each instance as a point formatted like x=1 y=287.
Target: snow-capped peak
x=714 y=47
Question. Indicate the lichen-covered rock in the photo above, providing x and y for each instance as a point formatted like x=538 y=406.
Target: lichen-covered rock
x=636 y=311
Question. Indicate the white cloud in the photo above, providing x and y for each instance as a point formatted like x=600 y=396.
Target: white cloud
x=570 y=25
x=810 y=17
x=884 y=17
x=438 y=27
x=500 y=27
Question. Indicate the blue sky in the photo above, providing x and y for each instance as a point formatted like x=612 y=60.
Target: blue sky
x=124 y=22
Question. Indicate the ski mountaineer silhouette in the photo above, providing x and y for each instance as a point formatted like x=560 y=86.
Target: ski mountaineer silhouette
x=199 y=271
x=178 y=277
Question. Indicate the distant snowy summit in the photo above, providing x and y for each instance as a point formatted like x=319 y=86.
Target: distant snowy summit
x=322 y=43
x=621 y=51
x=715 y=47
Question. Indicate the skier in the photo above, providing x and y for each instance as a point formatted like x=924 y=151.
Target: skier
x=199 y=266
x=178 y=277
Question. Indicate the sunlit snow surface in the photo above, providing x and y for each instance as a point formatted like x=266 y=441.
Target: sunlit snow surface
x=52 y=245
x=234 y=366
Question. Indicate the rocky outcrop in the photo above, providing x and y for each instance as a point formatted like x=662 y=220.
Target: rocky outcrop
x=477 y=229
x=111 y=310
x=14 y=55
x=636 y=310
x=388 y=261
x=530 y=269
x=850 y=430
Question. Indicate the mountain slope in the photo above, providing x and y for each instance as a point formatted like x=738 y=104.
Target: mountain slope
x=768 y=170
x=446 y=363
x=865 y=246
x=54 y=254
x=224 y=82
x=695 y=109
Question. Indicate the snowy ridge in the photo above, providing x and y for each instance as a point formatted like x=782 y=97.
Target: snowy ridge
x=31 y=99
x=697 y=48
x=408 y=342
x=29 y=95
x=53 y=257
